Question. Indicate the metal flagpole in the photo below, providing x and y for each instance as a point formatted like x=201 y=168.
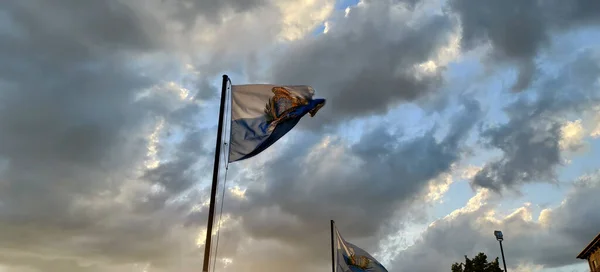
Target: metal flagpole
x=213 y=189
x=332 y=249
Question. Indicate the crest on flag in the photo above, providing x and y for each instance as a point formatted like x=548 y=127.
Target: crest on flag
x=360 y=262
x=262 y=113
x=283 y=105
x=354 y=259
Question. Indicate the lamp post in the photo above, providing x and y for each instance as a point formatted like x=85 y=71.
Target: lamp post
x=500 y=238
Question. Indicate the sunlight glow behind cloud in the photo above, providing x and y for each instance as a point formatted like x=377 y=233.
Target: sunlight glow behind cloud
x=301 y=16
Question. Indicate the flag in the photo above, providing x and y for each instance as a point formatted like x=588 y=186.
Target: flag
x=350 y=258
x=262 y=113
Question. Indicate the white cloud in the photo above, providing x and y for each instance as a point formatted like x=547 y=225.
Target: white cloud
x=444 y=55
x=153 y=146
x=595 y=131
x=439 y=187
x=572 y=135
x=470 y=172
x=468 y=230
x=529 y=268
x=298 y=17
x=326 y=27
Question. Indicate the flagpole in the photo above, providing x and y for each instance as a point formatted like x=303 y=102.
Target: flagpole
x=332 y=249
x=213 y=189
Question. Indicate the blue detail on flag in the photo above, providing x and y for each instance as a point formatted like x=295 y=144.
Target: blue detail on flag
x=251 y=136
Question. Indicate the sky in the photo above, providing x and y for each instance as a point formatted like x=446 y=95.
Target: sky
x=445 y=120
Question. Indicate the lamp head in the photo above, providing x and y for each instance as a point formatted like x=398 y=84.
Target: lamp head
x=498 y=235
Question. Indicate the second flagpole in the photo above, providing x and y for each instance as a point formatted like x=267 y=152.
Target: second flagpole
x=215 y=181
x=332 y=248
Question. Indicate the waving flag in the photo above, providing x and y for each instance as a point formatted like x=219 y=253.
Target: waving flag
x=350 y=258
x=261 y=114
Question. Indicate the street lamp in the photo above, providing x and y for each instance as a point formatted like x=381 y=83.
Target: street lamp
x=500 y=238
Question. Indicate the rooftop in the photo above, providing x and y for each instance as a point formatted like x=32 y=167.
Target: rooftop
x=590 y=248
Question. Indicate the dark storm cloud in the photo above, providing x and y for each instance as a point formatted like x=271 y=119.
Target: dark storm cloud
x=188 y=11
x=73 y=30
x=518 y=30
x=515 y=28
x=405 y=3
x=65 y=111
x=366 y=63
x=531 y=152
x=73 y=133
x=360 y=186
x=576 y=219
x=530 y=140
x=178 y=174
x=552 y=241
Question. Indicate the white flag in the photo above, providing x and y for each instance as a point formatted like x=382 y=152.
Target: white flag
x=350 y=258
x=262 y=113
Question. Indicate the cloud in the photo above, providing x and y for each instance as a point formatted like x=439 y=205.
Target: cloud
x=214 y=11
x=66 y=107
x=572 y=135
x=366 y=64
x=77 y=106
x=439 y=188
x=595 y=130
x=299 y=17
x=561 y=232
x=107 y=25
x=518 y=30
x=293 y=19
x=531 y=139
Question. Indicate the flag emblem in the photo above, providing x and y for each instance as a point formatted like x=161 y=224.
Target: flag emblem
x=351 y=258
x=263 y=113
x=282 y=106
x=361 y=262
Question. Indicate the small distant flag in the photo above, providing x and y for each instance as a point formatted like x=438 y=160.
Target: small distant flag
x=262 y=113
x=350 y=258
